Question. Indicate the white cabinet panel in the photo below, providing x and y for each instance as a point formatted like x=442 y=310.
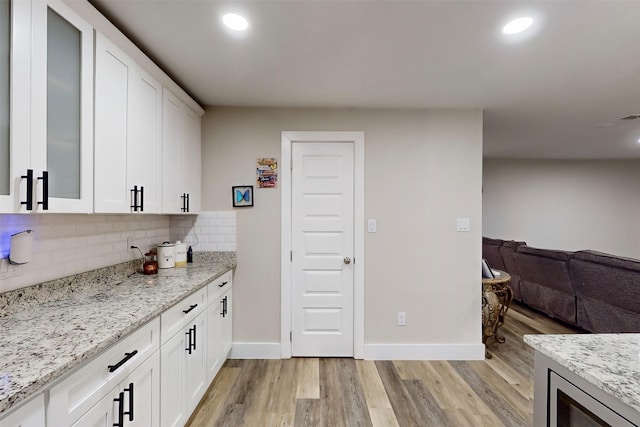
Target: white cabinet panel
x=181 y=145
x=76 y=394
x=61 y=108
x=29 y=415
x=128 y=134
x=113 y=74
x=173 y=396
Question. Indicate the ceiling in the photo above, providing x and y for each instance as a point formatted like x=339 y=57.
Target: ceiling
x=554 y=92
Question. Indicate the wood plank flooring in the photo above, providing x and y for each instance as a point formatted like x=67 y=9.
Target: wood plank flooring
x=346 y=392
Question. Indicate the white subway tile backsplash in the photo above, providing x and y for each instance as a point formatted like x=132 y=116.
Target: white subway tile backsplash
x=71 y=244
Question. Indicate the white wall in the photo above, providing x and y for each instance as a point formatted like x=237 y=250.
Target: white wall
x=564 y=204
x=423 y=170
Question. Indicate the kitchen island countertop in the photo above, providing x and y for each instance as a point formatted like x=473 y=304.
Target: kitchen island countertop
x=611 y=362
x=44 y=341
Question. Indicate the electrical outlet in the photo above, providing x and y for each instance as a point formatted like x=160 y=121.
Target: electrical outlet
x=130 y=242
x=8 y=270
x=402 y=318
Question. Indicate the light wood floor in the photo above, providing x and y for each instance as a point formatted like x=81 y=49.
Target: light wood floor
x=348 y=392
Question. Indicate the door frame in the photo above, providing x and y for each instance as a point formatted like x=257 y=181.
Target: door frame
x=288 y=138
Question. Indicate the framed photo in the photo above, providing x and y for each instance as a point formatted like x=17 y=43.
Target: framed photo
x=242 y=196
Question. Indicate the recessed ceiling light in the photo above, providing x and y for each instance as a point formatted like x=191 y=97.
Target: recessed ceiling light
x=235 y=22
x=517 y=25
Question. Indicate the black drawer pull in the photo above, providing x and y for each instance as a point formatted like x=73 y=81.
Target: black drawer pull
x=29 y=178
x=45 y=190
x=125 y=359
x=222 y=284
x=130 y=411
x=120 y=400
x=191 y=307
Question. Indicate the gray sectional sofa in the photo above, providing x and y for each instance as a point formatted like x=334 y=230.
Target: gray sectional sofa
x=595 y=291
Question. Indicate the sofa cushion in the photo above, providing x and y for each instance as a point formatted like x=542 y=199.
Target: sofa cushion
x=546 y=282
x=491 y=252
x=607 y=291
x=510 y=266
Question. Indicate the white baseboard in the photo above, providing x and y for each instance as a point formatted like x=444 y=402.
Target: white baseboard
x=262 y=350
x=255 y=350
x=424 y=351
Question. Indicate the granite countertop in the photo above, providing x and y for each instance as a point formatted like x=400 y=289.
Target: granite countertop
x=43 y=341
x=611 y=362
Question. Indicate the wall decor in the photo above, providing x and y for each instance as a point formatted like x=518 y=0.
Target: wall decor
x=267 y=172
x=242 y=196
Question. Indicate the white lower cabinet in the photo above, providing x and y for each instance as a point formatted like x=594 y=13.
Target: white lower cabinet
x=134 y=402
x=183 y=373
x=29 y=415
x=155 y=376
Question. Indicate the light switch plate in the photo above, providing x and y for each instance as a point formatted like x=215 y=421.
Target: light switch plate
x=463 y=224
x=372 y=227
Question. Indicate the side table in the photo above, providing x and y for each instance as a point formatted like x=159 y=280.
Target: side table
x=496 y=300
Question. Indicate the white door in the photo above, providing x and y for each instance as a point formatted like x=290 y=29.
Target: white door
x=322 y=204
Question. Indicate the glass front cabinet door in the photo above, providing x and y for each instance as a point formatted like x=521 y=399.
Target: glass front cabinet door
x=61 y=109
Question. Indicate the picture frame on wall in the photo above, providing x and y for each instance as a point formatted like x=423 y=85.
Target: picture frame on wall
x=242 y=196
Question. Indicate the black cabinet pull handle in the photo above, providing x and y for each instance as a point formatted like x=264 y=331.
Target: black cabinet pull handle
x=194 y=337
x=130 y=411
x=222 y=284
x=222 y=307
x=190 y=342
x=187 y=202
x=29 y=177
x=191 y=307
x=120 y=400
x=225 y=306
x=134 y=196
x=45 y=190
x=141 y=199
x=184 y=202
x=125 y=359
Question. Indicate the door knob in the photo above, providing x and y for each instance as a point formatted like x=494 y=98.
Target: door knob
x=347 y=260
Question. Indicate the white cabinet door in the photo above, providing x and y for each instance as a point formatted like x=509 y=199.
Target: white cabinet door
x=29 y=415
x=172 y=193
x=173 y=397
x=15 y=111
x=61 y=108
x=102 y=414
x=214 y=352
x=190 y=156
x=226 y=325
x=181 y=144
x=112 y=80
x=128 y=111
x=144 y=145
x=145 y=382
x=196 y=363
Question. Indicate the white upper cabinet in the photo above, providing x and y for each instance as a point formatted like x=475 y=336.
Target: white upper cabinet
x=15 y=107
x=181 y=144
x=61 y=108
x=5 y=66
x=128 y=126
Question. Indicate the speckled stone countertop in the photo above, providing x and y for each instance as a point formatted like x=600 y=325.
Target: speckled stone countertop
x=41 y=340
x=611 y=362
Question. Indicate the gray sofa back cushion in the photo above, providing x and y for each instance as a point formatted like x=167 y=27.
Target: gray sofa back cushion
x=491 y=252
x=507 y=250
x=546 y=282
x=607 y=291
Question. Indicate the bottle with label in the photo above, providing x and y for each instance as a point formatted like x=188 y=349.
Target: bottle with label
x=189 y=255
x=181 y=254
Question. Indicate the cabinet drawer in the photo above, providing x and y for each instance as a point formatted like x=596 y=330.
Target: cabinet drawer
x=80 y=391
x=173 y=320
x=219 y=286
